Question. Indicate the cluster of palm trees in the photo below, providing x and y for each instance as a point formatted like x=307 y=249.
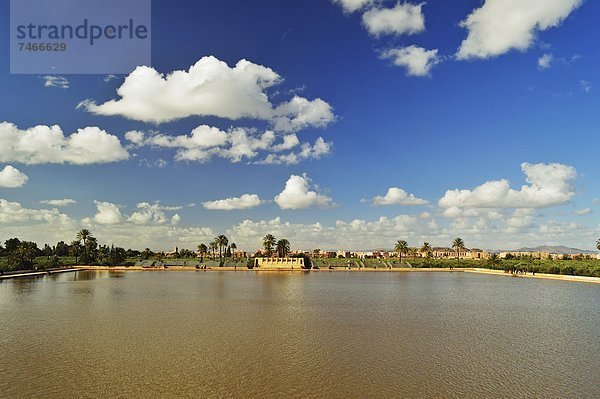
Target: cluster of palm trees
x=282 y=246
x=221 y=245
x=458 y=245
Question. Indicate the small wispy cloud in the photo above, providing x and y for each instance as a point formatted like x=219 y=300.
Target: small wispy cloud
x=585 y=86
x=110 y=77
x=56 y=81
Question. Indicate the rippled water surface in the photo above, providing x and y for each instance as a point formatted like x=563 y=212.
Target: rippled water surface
x=296 y=335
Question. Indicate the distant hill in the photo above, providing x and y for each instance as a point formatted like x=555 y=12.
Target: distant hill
x=553 y=249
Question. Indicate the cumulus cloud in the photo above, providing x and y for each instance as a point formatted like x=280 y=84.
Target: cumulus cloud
x=297 y=194
x=417 y=60
x=106 y=213
x=14 y=212
x=151 y=213
x=354 y=234
x=59 y=202
x=236 y=144
x=404 y=18
x=397 y=196
x=211 y=88
x=499 y=26
x=300 y=113
x=246 y=201
x=175 y=219
x=317 y=150
x=549 y=184
x=47 y=144
x=545 y=61
x=350 y=6
x=11 y=177
x=56 y=81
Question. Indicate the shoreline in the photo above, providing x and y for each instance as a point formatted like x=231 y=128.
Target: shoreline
x=544 y=276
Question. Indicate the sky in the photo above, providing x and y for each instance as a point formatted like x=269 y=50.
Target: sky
x=337 y=124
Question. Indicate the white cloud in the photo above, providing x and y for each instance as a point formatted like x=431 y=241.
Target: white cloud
x=350 y=6
x=246 y=201
x=59 y=202
x=175 y=219
x=148 y=213
x=289 y=141
x=211 y=88
x=135 y=137
x=11 y=177
x=499 y=26
x=300 y=113
x=14 y=212
x=110 y=77
x=583 y=212
x=236 y=145
x=397 y=196
x=317 y=150
x=545 y=61
x=355 y=234
x=297 y=194
x=549 y=184
x=106 y=213
x=56 y=81
x=417 y=60
x=585 y=86
x=44 y=144
x=404 y=18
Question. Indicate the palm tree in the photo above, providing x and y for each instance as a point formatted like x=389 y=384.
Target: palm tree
x=268 y=243
x=202 y=248
x=75 y=250
x=458 y=244
x=233 y=247
x=426 y=248
x=598 y=244
x=282 y=248
x=213 y=247
x=84 y=235
x=222 y=242
x=402 y=248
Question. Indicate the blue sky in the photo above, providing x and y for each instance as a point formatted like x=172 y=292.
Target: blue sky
x=375 y=107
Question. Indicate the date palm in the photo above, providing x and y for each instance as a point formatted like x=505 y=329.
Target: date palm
x=222 y=242
x=598 y=244
x=426 y=249
x=268 y=243
x=282 y=248
x=84 y=235
x=458 y=244
x=401 y=248
x=202 y=248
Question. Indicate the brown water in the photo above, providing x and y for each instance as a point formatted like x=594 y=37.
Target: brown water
x=296 y=335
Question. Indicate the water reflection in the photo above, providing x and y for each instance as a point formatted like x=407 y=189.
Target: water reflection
x=222 y=334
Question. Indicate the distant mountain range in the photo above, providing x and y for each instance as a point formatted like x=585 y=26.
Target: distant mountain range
x=553 y=249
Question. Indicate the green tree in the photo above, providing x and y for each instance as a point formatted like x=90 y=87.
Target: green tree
x=147 y=254
x=23 y=256
x=401 y=248
x=85 y=236
x=598 y=244
x=268 y=243
x=75 y=250
x=458 y=244
x=426 y=249
x=282 y=247
x=213 y=247
x=202 y=249
x=222 y=242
